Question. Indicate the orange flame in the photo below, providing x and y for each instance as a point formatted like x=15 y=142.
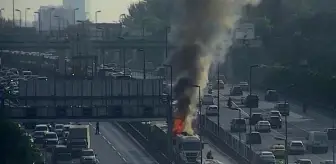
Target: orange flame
x=178 y=126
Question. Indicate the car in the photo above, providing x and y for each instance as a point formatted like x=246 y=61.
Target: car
x=212 y=110
x=59 y=129
x=283 y=108
x=221 y=84
x=263 y=126
x=296 y=147
x=253 y=99
x=271 y=95
x=88 y=157
x=236 y=91
x=38 y=137
x=253 y=138
x=278 y=150
x=267 y=157
x=274 y=113
x=244 y=86
x=208 y=100
x=317 y=142
x=255 y=118
x=51 y=140
x=238 y=125
x=303 y=161
x=275 y=121
x=41 y=127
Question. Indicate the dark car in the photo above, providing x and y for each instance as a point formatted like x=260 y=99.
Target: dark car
x=275 y=122
x=253 y=138
x=236 y=91
x=255 y=118
x=271 y=95
x=238 y=125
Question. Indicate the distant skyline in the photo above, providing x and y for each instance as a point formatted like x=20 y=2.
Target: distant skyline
x=111 y=9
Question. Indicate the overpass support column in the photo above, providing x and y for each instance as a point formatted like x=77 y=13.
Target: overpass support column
x=61 y=61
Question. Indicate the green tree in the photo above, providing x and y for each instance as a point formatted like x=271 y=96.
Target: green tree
x=16 y=147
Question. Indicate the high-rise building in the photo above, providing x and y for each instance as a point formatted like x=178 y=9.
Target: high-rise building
x=82 y=5
x=54 y=17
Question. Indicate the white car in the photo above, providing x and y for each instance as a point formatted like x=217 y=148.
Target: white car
x=212 y=110
x=41 y=127
x=303 y=161
x=296 y=147
x=263 y=126
x=275 y=113
x=88 y=157
x=267 y=156
x=51 y=139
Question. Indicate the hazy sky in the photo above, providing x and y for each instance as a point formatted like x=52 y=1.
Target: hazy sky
x=111 y=9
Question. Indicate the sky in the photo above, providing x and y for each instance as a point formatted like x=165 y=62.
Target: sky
x=111 y=9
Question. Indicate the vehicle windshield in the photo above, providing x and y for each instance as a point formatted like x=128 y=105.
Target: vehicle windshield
x=191 y=146
x=213 y=108
x=51 y=135
x=268 y=158
x=59 y=127
x=39 y=134
x=87 y=153
x=78 y=142
x=41 y=128
x=240 y=121
x=64 y=157
x=321 y=137
x=305 y=162
x=283 y=105
x=296 y=144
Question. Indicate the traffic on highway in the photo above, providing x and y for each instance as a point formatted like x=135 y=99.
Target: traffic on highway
x=307 y=137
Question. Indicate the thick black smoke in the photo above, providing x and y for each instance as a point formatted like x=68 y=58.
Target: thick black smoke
x=199 y=30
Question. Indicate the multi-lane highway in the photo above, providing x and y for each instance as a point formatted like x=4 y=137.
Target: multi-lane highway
x=113 y=145
x=298 y=125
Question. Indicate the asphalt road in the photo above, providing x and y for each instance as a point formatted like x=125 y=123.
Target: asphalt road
x=216 y=153
x=116 y=146
x=298 y=125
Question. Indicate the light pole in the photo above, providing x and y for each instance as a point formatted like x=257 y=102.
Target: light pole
x=74 y=15
x=167 y=30
x=250 y=93
x=96 y=18
x=26 y=16
x=39 y=21
x=20 y=15
x=200 y=120
x=170 y=113
x=13 y=5
x=218 y=127
x=121 y=17
x=2 y=9
x=50 y=19
x=286 y=128
x=144 y=62
x=59 y=25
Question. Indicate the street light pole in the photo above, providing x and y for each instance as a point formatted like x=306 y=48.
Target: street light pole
x=170 y=114
x=2 y=23
x=250 y=93
x=218 y=127
x=74 y=15
x=13 y=13
x=167 y=28
x=59 y=25
x=39 y=21
x=20 y=15
x=50 y=21
x=333 y=141
x=96 y=19
x=286 y=129
x=26 y=16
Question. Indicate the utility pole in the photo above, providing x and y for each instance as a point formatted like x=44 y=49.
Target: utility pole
x=13 y=13
x=26 y=16
x=218 y=123
x=50 y=19
x=20 y=15
x=74 y=15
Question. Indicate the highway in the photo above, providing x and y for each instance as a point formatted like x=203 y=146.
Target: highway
x=113 y=145
x=298 y=125
x=216 y=153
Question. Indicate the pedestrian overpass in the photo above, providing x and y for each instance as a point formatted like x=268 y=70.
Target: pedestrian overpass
x=86 y=99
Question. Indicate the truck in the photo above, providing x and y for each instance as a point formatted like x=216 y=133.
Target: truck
x=187 y=147
x=78 y=138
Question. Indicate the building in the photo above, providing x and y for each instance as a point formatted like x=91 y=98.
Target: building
x=82 y=5
x=53 y=18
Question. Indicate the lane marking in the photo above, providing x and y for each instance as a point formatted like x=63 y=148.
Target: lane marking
x=108 y=142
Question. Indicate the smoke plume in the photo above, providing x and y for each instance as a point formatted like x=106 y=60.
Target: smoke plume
x=201 y=30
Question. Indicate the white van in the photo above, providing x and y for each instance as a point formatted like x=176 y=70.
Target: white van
x=317 y=142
